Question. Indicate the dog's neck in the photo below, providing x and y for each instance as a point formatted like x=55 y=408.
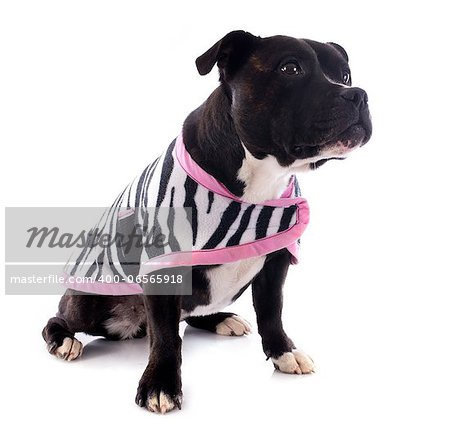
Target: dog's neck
x=212 y=141
x=264 y=179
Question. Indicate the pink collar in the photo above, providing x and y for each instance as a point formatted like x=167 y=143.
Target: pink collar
x=200 y=176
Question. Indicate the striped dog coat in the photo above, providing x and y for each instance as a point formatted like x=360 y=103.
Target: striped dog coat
x=196 y=220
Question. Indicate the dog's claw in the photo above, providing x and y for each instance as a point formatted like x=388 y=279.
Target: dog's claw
x=138 y=400
x=51 y=347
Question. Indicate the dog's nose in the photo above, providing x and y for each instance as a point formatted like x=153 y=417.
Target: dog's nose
x=355 y=95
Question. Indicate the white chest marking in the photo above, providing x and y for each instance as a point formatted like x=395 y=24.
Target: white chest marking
x=225 y=282
x=264 y=179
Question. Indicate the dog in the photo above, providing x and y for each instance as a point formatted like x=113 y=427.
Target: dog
x=284 y=105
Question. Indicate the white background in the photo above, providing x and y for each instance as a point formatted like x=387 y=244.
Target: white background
x=91 y=91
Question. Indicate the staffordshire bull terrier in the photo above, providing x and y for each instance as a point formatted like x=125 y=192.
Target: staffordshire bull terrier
x=284 y=105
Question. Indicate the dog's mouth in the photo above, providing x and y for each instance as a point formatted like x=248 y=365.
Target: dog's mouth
x=333 y=151
x=355 y=135
x=321 y=162
x=337 y=148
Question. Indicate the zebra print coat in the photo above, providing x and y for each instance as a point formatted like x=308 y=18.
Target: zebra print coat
x=175 y=214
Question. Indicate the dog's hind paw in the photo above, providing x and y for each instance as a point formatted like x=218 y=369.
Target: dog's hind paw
x=70 y=349
x=233 y=326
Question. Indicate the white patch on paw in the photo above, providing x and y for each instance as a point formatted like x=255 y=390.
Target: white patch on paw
x=305 y=361
x=233 y=326
x=161 y=403
x=70 y=349
x=294 y=362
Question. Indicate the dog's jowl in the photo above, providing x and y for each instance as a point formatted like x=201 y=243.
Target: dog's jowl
x=283 y=105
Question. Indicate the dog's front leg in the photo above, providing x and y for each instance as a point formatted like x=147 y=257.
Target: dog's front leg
x=267 y=289
x=160 y=386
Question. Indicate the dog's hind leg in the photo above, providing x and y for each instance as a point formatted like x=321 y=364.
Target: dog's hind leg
x=223 y=323
x=60 y=340
x=114 y=317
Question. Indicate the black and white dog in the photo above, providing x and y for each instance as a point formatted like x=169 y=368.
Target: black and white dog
x=283 y=105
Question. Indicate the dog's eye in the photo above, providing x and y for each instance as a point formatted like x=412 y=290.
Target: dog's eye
x=291 y=69
x=346 y=78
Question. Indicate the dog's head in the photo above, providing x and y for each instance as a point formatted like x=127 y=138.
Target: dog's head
x=290 y=98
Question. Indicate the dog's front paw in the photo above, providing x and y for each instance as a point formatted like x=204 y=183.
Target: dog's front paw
x=294 y=362
x=157 y=397
x=157 y=401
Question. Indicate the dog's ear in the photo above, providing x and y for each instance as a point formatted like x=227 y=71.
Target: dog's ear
x=229 y=53
x=340 y=49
